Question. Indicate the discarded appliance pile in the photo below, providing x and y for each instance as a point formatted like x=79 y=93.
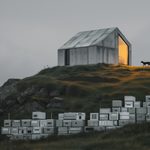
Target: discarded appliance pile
x=129 y=112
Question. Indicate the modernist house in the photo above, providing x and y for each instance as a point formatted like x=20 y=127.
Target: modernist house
x=108 y=46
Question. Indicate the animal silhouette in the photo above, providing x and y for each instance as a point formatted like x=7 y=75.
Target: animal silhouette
x=145 y=63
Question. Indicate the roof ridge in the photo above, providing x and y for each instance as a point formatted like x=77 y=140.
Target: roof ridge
x=97 y=29
x=87 y=38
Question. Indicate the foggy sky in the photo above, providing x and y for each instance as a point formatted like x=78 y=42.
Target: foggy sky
x=31 y=31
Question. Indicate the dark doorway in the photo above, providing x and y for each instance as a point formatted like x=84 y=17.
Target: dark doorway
x=67 y=57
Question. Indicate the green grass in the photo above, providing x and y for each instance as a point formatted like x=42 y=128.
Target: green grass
x=85 y=88
x=130 y=137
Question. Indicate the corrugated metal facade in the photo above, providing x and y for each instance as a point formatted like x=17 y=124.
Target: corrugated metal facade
x=92 y=47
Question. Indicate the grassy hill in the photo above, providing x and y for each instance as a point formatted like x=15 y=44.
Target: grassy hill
x=83 y=88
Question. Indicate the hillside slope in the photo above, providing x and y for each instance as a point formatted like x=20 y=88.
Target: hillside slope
x=78 y=88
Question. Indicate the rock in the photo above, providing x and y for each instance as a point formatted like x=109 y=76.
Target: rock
x=10 y=82
x=1 y=111
x=10 y=102
x=29 y=91
x=56 y=102
x=20 y=100
x=41 y=93
x=7 y=91
x=36 y=106
x=54 y=93
x=30 y=107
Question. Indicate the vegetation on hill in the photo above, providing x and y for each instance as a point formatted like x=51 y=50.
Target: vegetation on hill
x=82 y=88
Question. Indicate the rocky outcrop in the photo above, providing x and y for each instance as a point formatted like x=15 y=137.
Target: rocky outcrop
x=32 y=98
x=8 y=89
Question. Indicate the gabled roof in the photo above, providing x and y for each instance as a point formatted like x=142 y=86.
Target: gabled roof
x=88 y=38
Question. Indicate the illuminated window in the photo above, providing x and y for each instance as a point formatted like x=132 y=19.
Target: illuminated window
x=123 y=52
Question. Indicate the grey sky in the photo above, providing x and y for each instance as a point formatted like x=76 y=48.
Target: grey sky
x=31 y=31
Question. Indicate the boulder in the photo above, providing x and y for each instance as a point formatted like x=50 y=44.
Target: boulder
x=54 y=93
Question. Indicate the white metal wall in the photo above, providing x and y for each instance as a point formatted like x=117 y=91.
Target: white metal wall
x=105 y=52
x=88 y=55
x=61 y=54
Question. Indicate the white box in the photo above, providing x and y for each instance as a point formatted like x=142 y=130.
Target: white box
x=48 y=130
x=103 y=116
x=5 y=130
x=144 y=104
x=63 y=131
x=99 y=128
x=129 y=104
x=37 y=130
x=59 y=123
x=115 y=109
x=27 y=137
x=70 y=116
x=38 y=115
x=26 y=122
x=88 y=129
x=105 y=110
x=74 y=116
x=93 y=123
x=141 y=110
x=67 y=123
x=116 y=103
x=17 y=137
x=147 y=98
x=14 y=130
x=7 y=123
x=124 y=113
x=29 y=130
x=137 y=104
x=94 y=116
x=115 y=122
x=147 y=104
x=51 y=122
x=111 y=128
x=78 y=123
x=106 y=123
x=123 y=122
x=148 y=110
x=140 y=117
x=131 y=110
x=22 y=130
x=113 y=116
x=43 y=123
x=81 y=116
x=75 y=130
x=129 y=98
x=132 y=117
x=124 y=117
x=61 y=116
x=123 y=109
x=36 y=136
x=35 y=123
x=16 y=123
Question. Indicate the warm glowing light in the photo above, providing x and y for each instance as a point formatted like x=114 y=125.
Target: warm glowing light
x=123 y=52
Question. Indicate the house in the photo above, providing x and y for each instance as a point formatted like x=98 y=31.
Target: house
x=108 y=46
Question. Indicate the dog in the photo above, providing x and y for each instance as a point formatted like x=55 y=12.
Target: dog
x=145 y=63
